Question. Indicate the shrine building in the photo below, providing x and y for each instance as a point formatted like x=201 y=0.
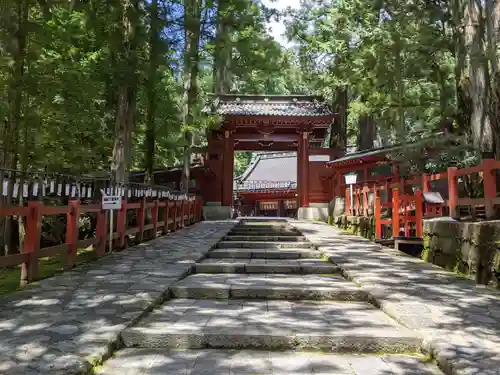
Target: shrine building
x=268 y=187
x=269 y=123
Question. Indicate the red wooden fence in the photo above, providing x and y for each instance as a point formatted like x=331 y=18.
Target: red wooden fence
x=402 y=203
x=175 y=214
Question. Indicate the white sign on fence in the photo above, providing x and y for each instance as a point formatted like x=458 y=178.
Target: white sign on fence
x=111 y=202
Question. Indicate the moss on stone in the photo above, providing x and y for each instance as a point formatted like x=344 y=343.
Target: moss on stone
x=330 y=220
x=426 y=251
x=324 y=258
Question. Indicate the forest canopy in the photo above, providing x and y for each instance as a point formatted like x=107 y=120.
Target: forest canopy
x=115 y=85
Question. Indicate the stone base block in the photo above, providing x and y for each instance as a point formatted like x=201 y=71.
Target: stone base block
x=214 y=212
x=313 y=213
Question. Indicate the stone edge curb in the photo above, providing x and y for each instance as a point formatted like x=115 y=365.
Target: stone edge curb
x=440 y=351
x=95 y=360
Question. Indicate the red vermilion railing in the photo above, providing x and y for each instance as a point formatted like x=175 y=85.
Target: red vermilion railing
x=174 y=215
x=402 y=203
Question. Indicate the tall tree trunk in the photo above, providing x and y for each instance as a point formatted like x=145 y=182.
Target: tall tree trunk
x=338 y=129
x=481 y=131
x=492 y=18
x=367 y=132
x=127 y=90
x=192 y=23
x=154 y=41
x=15 y=100
x=400 y=85
x=222 y=55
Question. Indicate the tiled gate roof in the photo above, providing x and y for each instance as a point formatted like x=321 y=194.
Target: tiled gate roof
x=269 y=105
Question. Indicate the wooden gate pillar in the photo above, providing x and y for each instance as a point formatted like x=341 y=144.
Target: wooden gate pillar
x=228 y=169
x=303 y=164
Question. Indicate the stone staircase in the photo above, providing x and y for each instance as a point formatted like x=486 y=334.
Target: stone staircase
x=265 y=301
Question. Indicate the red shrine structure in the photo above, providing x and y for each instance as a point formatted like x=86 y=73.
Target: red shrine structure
x=292 y=123
x=268 y=187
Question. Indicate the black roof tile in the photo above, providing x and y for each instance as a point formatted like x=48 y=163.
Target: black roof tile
x=263 y=105
x=278 y=169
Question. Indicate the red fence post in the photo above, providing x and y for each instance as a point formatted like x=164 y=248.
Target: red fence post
x=29 y=270
x=167 y=212
x=419 y=217
x=489 y=186
x=365 y=200
x=72 y=233
x=141 y=216
x=100 y=232
x=425 y=183
x=357 y=201
x=192 y=211
x=183 y=213
x=378 y=215
x=121 y=224
x=452 y=191
x=425 y=189
x=174 y=216
x=154 y=213
x=395 y=212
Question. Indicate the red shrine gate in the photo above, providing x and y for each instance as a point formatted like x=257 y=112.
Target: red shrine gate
x=270 y=123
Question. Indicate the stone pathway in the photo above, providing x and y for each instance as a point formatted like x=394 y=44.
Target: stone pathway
x=266 y=301
x=74 y=319
x=458 y=320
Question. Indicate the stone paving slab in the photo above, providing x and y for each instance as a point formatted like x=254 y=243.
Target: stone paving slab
x=281 y=233
x=252 y=362
x=273 y=325
x=459 y=320
x=248 y=253
x=284 y=266
x=272 y=286
x=74 y=319
x=267 y=238
x=263 y=245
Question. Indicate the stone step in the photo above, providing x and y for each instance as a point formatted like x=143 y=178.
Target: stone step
x=261 y=233
x=264 y=245
x=252 y=362
x=265 y=238
x=273 y=286
x=264 y=253
x=272 y=325
x=285 y=229
x=269 y=223
x=293 y=266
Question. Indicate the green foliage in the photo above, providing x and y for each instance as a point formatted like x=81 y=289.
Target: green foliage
x=76 y=58
x=63 y=65
x=241 y=162
x=395 y=58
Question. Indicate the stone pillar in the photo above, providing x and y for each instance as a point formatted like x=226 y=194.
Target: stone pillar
x=227 y=169
x=304 y=169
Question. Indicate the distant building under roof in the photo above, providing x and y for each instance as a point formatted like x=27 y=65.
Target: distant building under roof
x=269 y=170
